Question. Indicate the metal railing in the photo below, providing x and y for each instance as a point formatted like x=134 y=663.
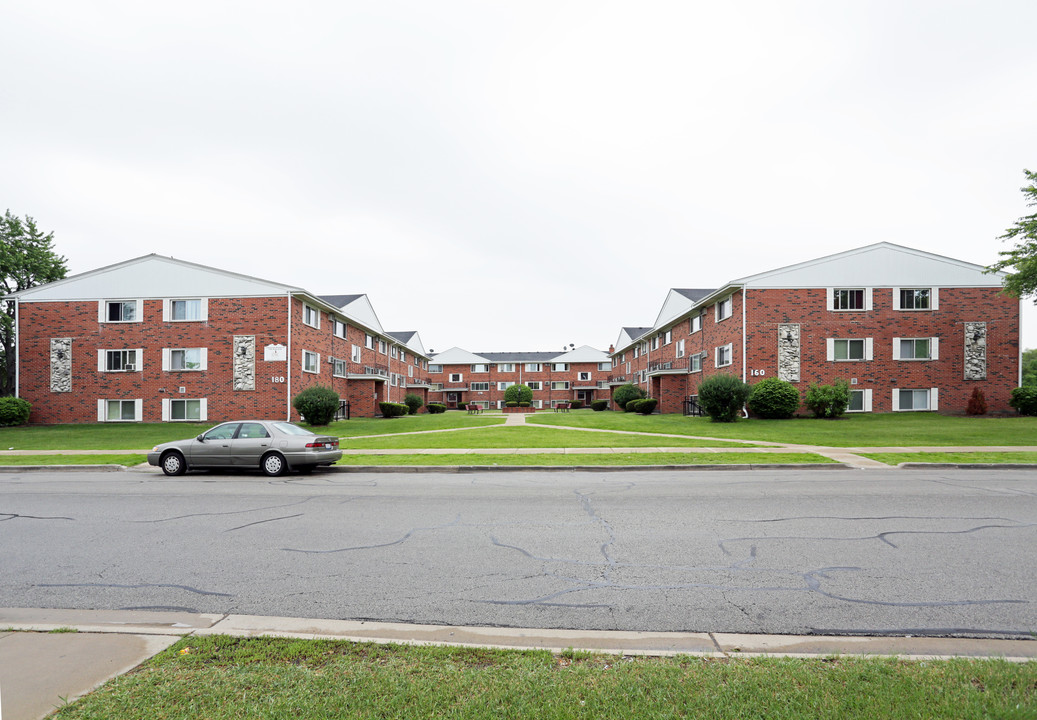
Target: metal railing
x=691 y=406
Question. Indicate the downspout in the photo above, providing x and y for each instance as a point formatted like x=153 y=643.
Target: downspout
x=745 y=360
x=1019 y=380
x=288 y=398
x=16 y=346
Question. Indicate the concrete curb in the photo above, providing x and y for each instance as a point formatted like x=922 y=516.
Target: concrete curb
x=63 y=468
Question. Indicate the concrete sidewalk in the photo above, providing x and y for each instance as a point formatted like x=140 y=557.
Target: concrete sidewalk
x=40 y=670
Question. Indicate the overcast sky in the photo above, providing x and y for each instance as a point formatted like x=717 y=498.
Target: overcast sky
x=516 y=176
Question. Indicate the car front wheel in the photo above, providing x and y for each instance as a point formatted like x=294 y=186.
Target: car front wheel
x=273 y=464
x=173 y=464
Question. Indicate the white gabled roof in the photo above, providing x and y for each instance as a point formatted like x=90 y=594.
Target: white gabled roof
x=361 y=310
x=583 y=354
x=880 y=265
x=458 y=356
x=155 y=276
x=412 y=341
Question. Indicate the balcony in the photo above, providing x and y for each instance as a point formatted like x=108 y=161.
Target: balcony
x=363 y=370
x=665 y=367
x=616 y=379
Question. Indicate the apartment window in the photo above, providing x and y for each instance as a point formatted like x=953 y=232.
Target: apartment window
x=561 y=367
x=724 y=355
x=118 y=410
x=340 y=329
x=186 y=359
x=310 y=361
x=456 y=377
x=369 y=342
x=355 y=355
x=538 y=404
x=435 y=368
x=724 y=309
x=916 y=348
x=184 y=310
x=904 y=400
x=695 y=324
x=311 y=316
x=680 y=348
x=583 y=377
x=381 y=346
x=914 y=298
x=655 y=343
x=121 y=311
x=560 y=385
x=637 y=351
x=403 y=356
x=535 y=385
x=532 y=367
x=504 y=385
x=121 y=361
x=604 y=366
x=394 y=352
x=849 y=299
x=185 y=410
x=339 y=369
x=393 y=380
x=668 y=337
x=480 y=368
x=860 y=401
x=623 y=357
x=410 y=371
x=849 y=349
x=628 y=368
x=695 y=363
x=480 y=386
x=437 y=386
x=603 y=384
x=506 y=367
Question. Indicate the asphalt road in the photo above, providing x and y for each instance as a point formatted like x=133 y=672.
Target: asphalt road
x=904 y=552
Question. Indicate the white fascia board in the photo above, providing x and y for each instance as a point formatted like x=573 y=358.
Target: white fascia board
x=458 y=356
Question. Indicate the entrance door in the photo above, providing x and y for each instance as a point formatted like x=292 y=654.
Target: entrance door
x=451 y=400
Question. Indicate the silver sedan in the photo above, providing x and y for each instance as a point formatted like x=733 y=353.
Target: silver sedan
x=268 y=445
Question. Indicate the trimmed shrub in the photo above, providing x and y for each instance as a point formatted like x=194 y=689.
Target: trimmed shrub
x=391 y=409
x=646 y=406
x=14 y=411
x=576 y=404
x=599 y=405
x=435 y=408
x=631 y=404
x=525 y=404
x=977 y=403
x=626 y=393
x=413 y=403
x=511 y=404
x=1024 y=399
x=722 y=397
x=828 y=401
x=518 y=394
x=773 y=399
x=317 y=404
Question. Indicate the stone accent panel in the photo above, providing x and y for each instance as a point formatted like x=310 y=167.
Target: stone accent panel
x=244 y=362
x=975 y=351
x=61 y=364
x=788 y=351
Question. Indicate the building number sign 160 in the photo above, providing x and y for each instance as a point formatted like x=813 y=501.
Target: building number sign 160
x=757 y=373
x=277 y=379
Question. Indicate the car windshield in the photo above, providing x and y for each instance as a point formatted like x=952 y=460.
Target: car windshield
x=289 y=429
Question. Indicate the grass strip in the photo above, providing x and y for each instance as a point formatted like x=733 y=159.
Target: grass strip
x=852 y=430
x=222 y=677
x=960 y=458
x=127 y=460
x=526 y=437
x=587 y=459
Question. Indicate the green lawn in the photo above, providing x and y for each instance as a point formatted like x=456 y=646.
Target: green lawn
x=954 y=457
x=408 y=423
x=524 y=437
x=588 y=459
x=127 y=460
x=221 y=677
x=854 y=430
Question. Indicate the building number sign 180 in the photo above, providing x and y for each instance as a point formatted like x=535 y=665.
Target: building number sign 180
x=277 y=379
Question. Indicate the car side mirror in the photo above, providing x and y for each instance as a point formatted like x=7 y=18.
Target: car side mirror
x=201 y=438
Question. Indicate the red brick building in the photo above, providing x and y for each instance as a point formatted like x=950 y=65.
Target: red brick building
x=157 y=339
x=460 y=377
x=908 y=330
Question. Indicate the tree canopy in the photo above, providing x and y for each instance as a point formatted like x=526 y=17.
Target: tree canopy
x=27 y=259
x=1021 y=261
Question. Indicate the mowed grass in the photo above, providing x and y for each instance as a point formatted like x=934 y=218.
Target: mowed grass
x=852 y=430
x=221 y=677
x=586 y=459
x=127 y=460
x=960 y=458
x=407 y=423
x=524 y=437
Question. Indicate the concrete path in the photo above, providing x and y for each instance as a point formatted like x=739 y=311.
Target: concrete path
x=41 y=670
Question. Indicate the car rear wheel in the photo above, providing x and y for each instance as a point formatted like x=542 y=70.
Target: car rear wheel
x=173 y=464
x=273 y=464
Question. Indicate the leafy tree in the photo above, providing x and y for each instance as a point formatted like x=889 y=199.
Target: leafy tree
x=1023 y=257
x=1030 y=368
x=518 y=394
x=626 y=393
x=828 y=401
x=413 y=402
x=27 y=259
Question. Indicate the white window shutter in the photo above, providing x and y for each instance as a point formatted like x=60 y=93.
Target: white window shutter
x=896 y=298
x=867 y=298
x=203 y=409
x=896 y=399
x=204 y=358
x=934 y=299
x=166 y=314
x=867 y=401
x=869 y=348
x=137 y=406
x=140 y=359
x=165 y=360
x=204 y=309
x=896 y=348
x=100 y=361
x=831 y=348
x=934 y=398
x=934 y=348
x=165 y=409
x=101 y=414
x=831 y=298
x=100 y=311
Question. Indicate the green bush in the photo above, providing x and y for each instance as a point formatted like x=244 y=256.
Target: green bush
x=511 y=404
x=525 y=404
x=626 y=393
x=631 y=404
x=773 y=399
x=576 y=404
x=599 y=405
x=828 y=401
x=722 y=397
x=646 y=406
x=518 y=394
x=413 y=403
x=14 y=411
x=1024 y=399
x=391 y=409
x=435 y=408
x=317 y=404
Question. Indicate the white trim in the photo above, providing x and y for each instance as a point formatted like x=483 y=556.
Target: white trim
x=102 y=360
x=934 y=299
x=102 y=314
x=830 y=342
x=166 y=364
x=102 y=410
x=934 y=348
x=306 y=352
x=896 y=399
x=896 y=345
x=165 y=409
x=867 y=400
x=869 y=348
x=868 y=305
x=896 y=302
x=830 y=299
x=934 y=399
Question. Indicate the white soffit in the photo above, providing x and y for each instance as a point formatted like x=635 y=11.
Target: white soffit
x=458 y=356
x=880 y=265
x=155 y=276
